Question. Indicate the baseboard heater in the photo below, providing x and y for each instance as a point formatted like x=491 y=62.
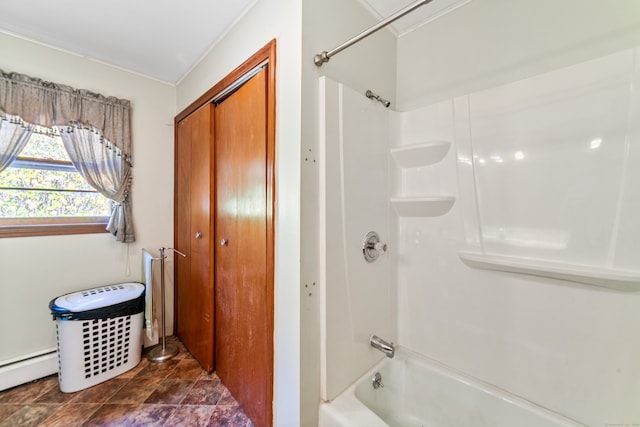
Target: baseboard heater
x=29 y=367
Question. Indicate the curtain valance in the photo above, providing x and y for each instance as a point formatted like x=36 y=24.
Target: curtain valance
x=50 y=104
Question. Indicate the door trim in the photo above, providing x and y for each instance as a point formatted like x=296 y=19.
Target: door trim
x=266 y=55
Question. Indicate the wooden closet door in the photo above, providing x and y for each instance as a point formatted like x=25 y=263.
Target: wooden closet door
x=193 y=278
x=243 y=295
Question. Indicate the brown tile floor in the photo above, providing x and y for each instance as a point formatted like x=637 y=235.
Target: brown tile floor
x=174 y=393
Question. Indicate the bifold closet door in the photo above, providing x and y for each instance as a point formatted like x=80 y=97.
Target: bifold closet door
x=243 y=295
x=193 y=275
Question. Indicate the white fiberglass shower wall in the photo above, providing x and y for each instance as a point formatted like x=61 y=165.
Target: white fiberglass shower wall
x=511 y=217
x=531 y=281
x=358 y=297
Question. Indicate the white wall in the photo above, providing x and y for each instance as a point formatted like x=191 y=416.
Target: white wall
x=33 y=270
x=267 y=20
x=560 y=344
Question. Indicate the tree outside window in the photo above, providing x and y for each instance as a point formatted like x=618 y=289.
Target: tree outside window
x=42 y=187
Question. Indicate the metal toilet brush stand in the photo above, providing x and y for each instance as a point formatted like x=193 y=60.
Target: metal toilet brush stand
x=163 y=352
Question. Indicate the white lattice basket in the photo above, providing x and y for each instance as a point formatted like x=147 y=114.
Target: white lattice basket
x=101 y=340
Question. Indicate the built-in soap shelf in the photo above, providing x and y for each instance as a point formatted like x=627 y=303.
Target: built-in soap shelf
x=424 y=154
x=414 y=156
x=622 y=280
x=422 y=206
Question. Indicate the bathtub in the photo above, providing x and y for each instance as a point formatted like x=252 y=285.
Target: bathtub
x=419 y=392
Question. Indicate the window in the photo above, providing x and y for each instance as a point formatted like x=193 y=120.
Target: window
x=96 y=133
x=42 y=193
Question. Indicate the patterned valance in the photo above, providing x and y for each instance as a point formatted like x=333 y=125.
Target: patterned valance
x=50 y=104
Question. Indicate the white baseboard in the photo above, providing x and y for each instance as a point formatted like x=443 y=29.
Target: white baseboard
x=28 y=368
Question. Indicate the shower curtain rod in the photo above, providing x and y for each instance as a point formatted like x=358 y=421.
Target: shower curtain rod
x=323 y=57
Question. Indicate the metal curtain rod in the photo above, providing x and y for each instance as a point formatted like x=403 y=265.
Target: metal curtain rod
x=323 y=57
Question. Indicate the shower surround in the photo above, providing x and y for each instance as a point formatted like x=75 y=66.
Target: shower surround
x=511 y=221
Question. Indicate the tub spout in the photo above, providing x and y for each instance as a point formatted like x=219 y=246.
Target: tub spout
x=378 y=343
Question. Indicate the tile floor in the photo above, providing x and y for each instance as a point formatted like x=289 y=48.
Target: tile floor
x=174 y=393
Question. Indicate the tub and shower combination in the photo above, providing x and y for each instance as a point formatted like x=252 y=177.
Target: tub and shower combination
x=495 y=223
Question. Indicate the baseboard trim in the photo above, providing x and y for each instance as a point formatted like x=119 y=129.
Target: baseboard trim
x=28 y=369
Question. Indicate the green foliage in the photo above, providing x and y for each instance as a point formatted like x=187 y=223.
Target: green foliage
x=39 y=178
x=20 y=203
x=30 y=204
x=45 y=147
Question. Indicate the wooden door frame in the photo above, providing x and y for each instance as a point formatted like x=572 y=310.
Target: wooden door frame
x=266 y=55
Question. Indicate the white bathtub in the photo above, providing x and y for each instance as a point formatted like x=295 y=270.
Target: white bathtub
x=418 y=392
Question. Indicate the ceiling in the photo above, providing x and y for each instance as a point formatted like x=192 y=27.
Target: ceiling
x=161 y=39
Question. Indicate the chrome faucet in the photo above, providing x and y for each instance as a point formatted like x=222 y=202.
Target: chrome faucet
x=378 y=343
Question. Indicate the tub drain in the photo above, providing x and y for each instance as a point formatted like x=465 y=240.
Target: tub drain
x=376 y=381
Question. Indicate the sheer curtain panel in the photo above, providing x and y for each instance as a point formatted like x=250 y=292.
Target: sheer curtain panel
x=102 y=166
x=14 y=135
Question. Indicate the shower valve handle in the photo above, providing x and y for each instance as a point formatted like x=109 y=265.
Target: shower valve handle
x=380 y=248
x=372 y=247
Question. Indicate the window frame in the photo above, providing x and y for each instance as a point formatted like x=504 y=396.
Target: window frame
x=51 y=226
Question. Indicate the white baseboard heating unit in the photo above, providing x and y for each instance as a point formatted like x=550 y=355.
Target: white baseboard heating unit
x=27 y=368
